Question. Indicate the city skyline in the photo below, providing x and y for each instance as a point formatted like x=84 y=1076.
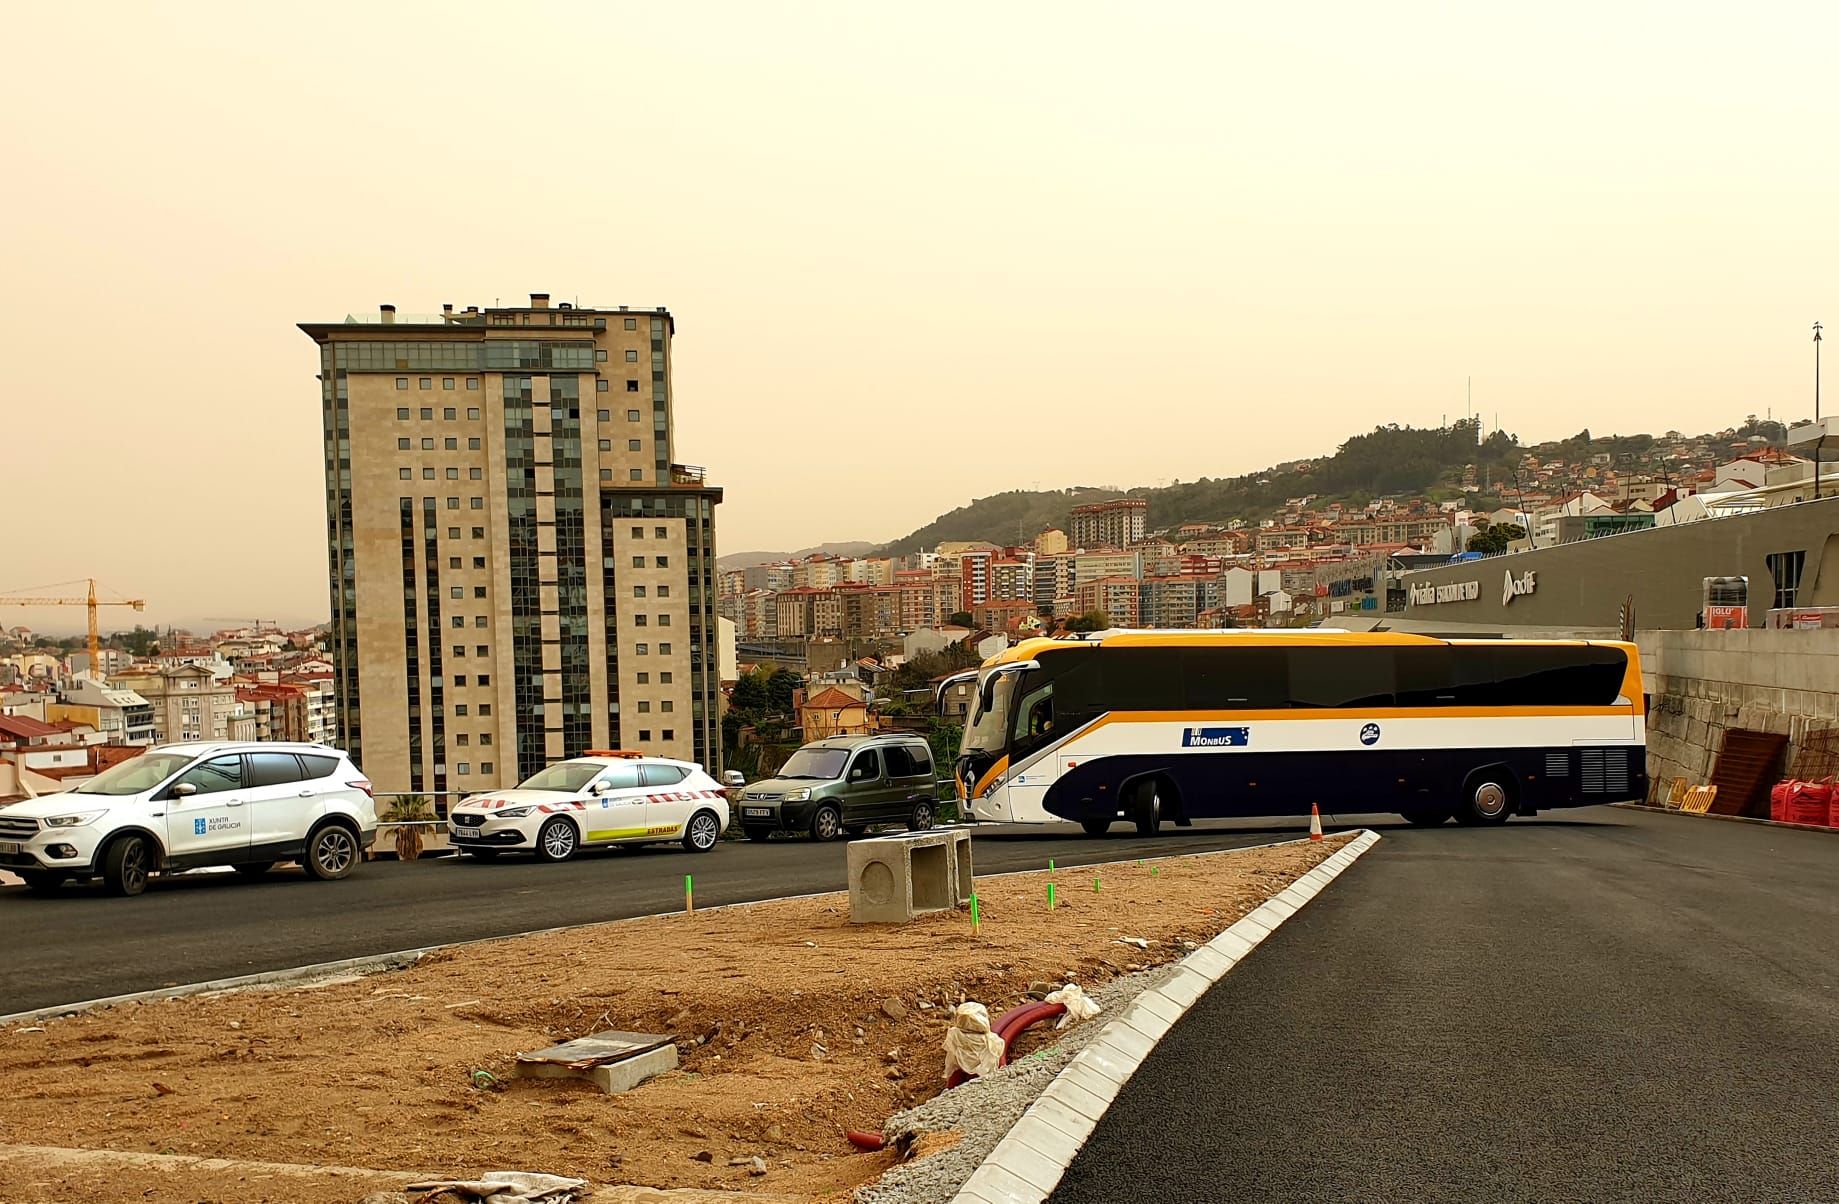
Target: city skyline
x=1193 y=244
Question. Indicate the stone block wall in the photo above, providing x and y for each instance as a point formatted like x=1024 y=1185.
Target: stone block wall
x=1702 y=683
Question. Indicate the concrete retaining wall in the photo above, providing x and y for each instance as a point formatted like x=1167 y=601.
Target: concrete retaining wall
x=1702 y=683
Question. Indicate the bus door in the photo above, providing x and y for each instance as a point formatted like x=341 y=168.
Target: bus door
x=1035 y=730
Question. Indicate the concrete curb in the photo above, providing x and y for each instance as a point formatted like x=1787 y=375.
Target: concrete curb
x=1027 y=1164
x=401 y=958
x=1734 y=819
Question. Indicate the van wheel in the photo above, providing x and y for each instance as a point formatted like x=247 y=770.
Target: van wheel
x=826 y=823
x=701 y=833
x=1426 y=819
x=332 y=853
x=41 y=883
x=557 y=841
x=1096 y=827
x=1148 y=809
x=921 y=819
x=1487 y=798
x=125 y=866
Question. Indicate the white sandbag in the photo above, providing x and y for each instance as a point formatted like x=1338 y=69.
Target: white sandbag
x=970 y=1046
x=1079 y=1006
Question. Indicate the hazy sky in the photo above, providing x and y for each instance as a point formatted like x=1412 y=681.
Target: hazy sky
x=917 y=254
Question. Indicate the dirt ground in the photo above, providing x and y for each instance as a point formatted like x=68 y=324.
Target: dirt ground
x=794 y=1026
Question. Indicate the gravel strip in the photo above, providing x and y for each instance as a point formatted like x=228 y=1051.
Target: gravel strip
x=984 y=1110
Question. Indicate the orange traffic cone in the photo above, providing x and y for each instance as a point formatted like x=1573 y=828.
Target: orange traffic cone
x=1315 y=822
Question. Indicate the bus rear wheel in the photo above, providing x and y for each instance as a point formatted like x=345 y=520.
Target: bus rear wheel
x=1426 y=817
x=1487 y=798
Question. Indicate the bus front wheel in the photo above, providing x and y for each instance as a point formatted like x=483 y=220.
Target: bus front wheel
x=1487 y=798
x=1148 y=809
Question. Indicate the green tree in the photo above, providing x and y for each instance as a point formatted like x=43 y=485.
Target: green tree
x=779 y=689
x=958 y=618
x=750 y=694
x=1091 y=620
x=1494 y=540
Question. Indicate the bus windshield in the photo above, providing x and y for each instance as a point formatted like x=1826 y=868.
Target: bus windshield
x=988 y=730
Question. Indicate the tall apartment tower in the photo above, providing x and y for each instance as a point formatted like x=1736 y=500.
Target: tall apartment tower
x=520 y=570
x=1113 y=524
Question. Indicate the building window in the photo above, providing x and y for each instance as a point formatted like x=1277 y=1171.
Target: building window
x=663 y=562
x=606 y=474
x=406 y=473
x=632 y=386
x=460 y=680
x=453 y=533
x=453 y=562
x=462 y=740
x=478 y=591
x=638 y=532
x=402 y=413
x=447 y=382
x=472 y=382
x=1785 y=568
x=600 y=356
x=644 y=707
x=478 y=533
x=660 y=532
x=644 y=679
x=478 y=620
x=455 y=591
x=480 y=650
x=632 y=415
x=635 y=474
x=664 y=678
x=485 y=766
x=663 y=620
x=485 y=679
x=642 y=650
x=632 y=357
x=402 y=444
x=638 y=562
x=427 y=474
x=472 y=444
x=402 y=382
x=460 y=709
x=472 y=413
x=448 y=413
x=427 y=382
x=453 y=503
x=640 y=620
x=475 y=474
x=451 y=444
x=478 y=561
x=453 y=474
x=606 y=445
x=459 y=650
x=667 y=705
x=459 y=620
x=485 y=708
x=644 y=736
x=638 y=591
x=478 y=503
x=632 y=445
x=427 y=445
x=670 y=734
x=631 y=323
x=427 y=413
x=663 y=649
x=602 y=386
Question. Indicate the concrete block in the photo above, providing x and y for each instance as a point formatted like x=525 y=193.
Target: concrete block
x=892 y=879
x=612 y=1061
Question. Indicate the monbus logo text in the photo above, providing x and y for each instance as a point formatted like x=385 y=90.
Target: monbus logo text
x=1216 y=737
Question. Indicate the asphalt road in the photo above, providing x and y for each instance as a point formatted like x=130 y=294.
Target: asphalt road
x=1606 y=1005
x=81 y=944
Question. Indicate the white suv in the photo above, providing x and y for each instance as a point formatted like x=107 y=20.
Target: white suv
x=182 y=806
x=598 y=798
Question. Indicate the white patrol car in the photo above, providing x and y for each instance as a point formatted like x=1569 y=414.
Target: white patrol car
x=598 y=798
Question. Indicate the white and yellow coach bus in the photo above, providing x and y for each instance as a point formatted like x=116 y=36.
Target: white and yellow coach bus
x=1147 y=726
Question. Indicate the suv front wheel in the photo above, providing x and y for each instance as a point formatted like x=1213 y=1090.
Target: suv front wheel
x=331 y=853
x=126 y=865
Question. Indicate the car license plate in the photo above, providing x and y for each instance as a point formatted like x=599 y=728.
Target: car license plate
x=7 y=846
x=760 y=811
x=465 y=833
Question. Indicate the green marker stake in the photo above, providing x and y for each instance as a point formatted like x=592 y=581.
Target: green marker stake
x=976 y=917
x=1050 y=896
x=1155 y=870
x=1095 y=884
x=689 y=895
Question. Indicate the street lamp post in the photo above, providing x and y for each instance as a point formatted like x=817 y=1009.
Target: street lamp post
x=1816 y=410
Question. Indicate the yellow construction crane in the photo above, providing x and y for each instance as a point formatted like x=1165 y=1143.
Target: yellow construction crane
x=92 y=602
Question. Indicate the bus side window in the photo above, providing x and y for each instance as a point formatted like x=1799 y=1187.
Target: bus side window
x=1234 y=679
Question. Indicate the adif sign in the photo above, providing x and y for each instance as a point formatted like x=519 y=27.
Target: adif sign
x=1513 y=587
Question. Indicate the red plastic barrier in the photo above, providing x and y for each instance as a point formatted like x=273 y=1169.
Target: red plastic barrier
x=1778 y=801
x=1808 y=803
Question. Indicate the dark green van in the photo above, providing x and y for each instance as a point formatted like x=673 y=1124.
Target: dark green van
x=844 y=784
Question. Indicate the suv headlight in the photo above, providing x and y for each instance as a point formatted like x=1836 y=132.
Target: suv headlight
x=514 y=812
x=797 y=796
x=76 y=820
